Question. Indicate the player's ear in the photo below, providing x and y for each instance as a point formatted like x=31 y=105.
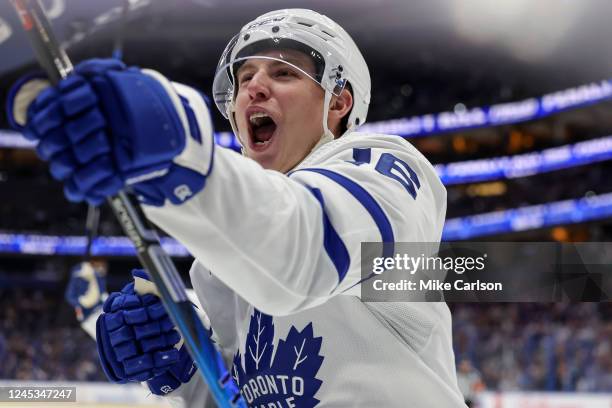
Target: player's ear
x=339 y=107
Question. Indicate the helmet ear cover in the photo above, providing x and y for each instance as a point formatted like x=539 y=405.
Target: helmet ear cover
x=345 y=118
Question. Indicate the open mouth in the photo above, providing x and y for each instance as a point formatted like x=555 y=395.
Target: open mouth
x=261 y=129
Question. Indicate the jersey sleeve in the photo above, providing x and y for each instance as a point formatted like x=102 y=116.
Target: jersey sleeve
x=222 y=306
x=89 y=324
x=284 y=243
x=194 y=393
x=381 y=195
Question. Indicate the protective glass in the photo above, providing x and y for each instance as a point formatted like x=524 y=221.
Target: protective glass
x=250 y=44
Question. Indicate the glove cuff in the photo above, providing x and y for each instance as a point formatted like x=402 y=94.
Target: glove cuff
x=163 y=384
x=113 y=370
x=20 y=97
x=170 y=380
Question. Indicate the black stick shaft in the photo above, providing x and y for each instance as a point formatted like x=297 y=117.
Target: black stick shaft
x=49 y=54
x=57 y=65
x=150 y=253
x=91 y=228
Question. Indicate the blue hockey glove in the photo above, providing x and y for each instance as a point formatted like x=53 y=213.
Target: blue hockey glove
x=107 y=126
x=137 y=340
x=86 y=290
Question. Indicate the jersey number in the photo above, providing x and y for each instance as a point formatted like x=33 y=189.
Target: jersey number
x=390 y=166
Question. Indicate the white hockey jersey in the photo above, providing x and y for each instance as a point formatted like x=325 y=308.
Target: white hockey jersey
x=278 y=269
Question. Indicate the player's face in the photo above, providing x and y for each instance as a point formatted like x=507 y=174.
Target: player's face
x=279 y=110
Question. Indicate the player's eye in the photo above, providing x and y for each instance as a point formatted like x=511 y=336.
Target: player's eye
x=244 y=78
x=285 y=73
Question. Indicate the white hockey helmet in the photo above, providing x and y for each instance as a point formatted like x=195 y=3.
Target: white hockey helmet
x=336 y=56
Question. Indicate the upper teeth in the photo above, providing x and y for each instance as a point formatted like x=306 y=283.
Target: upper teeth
x=257 y=115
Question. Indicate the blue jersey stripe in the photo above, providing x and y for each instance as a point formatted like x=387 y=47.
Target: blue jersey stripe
x=332 y=242
x=371 y=206
x=368 y=202
x=362 y=156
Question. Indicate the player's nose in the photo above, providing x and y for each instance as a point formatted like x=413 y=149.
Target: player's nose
x=259 y=86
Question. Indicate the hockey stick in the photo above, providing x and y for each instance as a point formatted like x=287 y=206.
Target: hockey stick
x=118 y=44
x=91 y=229
x=150 y=253
x=93 y=212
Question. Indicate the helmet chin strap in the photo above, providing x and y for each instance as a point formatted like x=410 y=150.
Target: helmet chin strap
x=327 y=135
x=232 y=119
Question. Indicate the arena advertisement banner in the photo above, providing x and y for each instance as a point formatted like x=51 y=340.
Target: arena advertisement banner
x=543 y=400
x=495 y=115
x=442 y=122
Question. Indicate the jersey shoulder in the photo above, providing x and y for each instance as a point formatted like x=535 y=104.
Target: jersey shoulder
x=345 y=147
x=390 y=170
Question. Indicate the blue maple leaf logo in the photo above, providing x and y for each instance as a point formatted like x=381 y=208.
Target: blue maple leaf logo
x=289 y=379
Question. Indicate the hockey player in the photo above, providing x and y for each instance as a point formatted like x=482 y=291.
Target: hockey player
x=276 y=232
x=86 y=292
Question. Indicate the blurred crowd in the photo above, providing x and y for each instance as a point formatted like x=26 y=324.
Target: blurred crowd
x=41 y=340
x=509 y=347
x=536 y=346
x=572 y=183
x=560 y=347
x=37 y=204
